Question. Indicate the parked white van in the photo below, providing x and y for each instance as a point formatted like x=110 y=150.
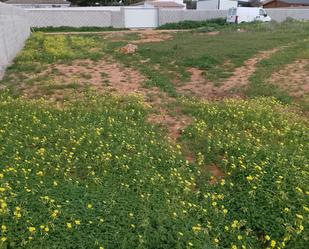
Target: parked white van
x=247 y=14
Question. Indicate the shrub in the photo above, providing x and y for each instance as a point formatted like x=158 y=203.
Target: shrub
x=194 y=24
x=75 y=29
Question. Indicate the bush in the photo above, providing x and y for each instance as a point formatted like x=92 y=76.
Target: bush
x=50 y=29
x=215 y=23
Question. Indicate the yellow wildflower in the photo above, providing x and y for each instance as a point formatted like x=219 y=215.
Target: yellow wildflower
x=249 y=178
x=273 y=243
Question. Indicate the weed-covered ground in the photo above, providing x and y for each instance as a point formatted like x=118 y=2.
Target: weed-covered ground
x=85 y=163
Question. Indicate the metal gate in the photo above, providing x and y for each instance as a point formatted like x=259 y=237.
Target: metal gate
x=141 y=17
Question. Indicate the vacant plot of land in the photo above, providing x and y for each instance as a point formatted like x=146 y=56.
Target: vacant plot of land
x=163 y=147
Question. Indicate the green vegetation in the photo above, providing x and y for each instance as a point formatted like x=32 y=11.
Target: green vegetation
x=93 y=174
x=218 y=55
x=262 y=149
x=98 y=175
x=42 y=52
x=75 y=29
x=214 y=23
x=59 y=48
x=91 y=171
x=260 y=85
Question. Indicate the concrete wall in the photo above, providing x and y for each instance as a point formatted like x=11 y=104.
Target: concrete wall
x=14 y=30
x=170 y=16
x=215 y=4
x=101 y=17
x=73 y=18
x=280 y=15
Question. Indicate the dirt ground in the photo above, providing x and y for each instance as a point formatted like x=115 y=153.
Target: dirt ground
x=107 y=75
x=293 y=78
x=144 y=36
x=200 y=87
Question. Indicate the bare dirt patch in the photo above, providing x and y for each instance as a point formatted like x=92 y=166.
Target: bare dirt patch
x=212 y=33
x=152 y=36
x=173 y=124
x=242 y=74
x=216 y=173
x=101 y=76
x=200 y=87
x=293 y=78
x=144 y=36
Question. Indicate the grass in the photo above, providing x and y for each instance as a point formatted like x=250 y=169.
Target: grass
x=217 y=55
x=259 y=80
x=75 y=29
x=42 y=52
x=91 y=171
x=261 y=148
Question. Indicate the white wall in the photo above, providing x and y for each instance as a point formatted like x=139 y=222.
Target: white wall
x=25 y=6
x=226 y=4
x=170 y=16
x=141 y=18
x=14 y=30
x=69 y=17
x=280 y=15
x=215 y=4
x=101 y=17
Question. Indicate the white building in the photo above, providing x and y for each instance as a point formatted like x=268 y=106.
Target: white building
x=215 y=4
x=29 y=4
x=165 y=4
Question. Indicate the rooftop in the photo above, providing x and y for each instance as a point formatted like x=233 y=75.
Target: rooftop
x=37 y=2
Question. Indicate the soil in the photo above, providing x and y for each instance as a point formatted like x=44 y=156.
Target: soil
x=293 y=78
x=242 y=74
x=102 y=76
x=152 y=36
x=173 y=124
x=200 y=87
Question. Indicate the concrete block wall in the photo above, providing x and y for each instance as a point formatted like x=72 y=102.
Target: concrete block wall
x=170 y=16
x=280 y=15
x=14 y=30
x=118 y=19
x=73 y=18
x=103 y=17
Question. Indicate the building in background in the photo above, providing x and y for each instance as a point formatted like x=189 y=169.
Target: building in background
x=166 y=4
x=285 y=4
x=39 y=3
x=215 y=4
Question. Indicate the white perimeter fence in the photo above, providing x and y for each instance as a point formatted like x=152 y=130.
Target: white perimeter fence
x=14 y=30
x=130 y=17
